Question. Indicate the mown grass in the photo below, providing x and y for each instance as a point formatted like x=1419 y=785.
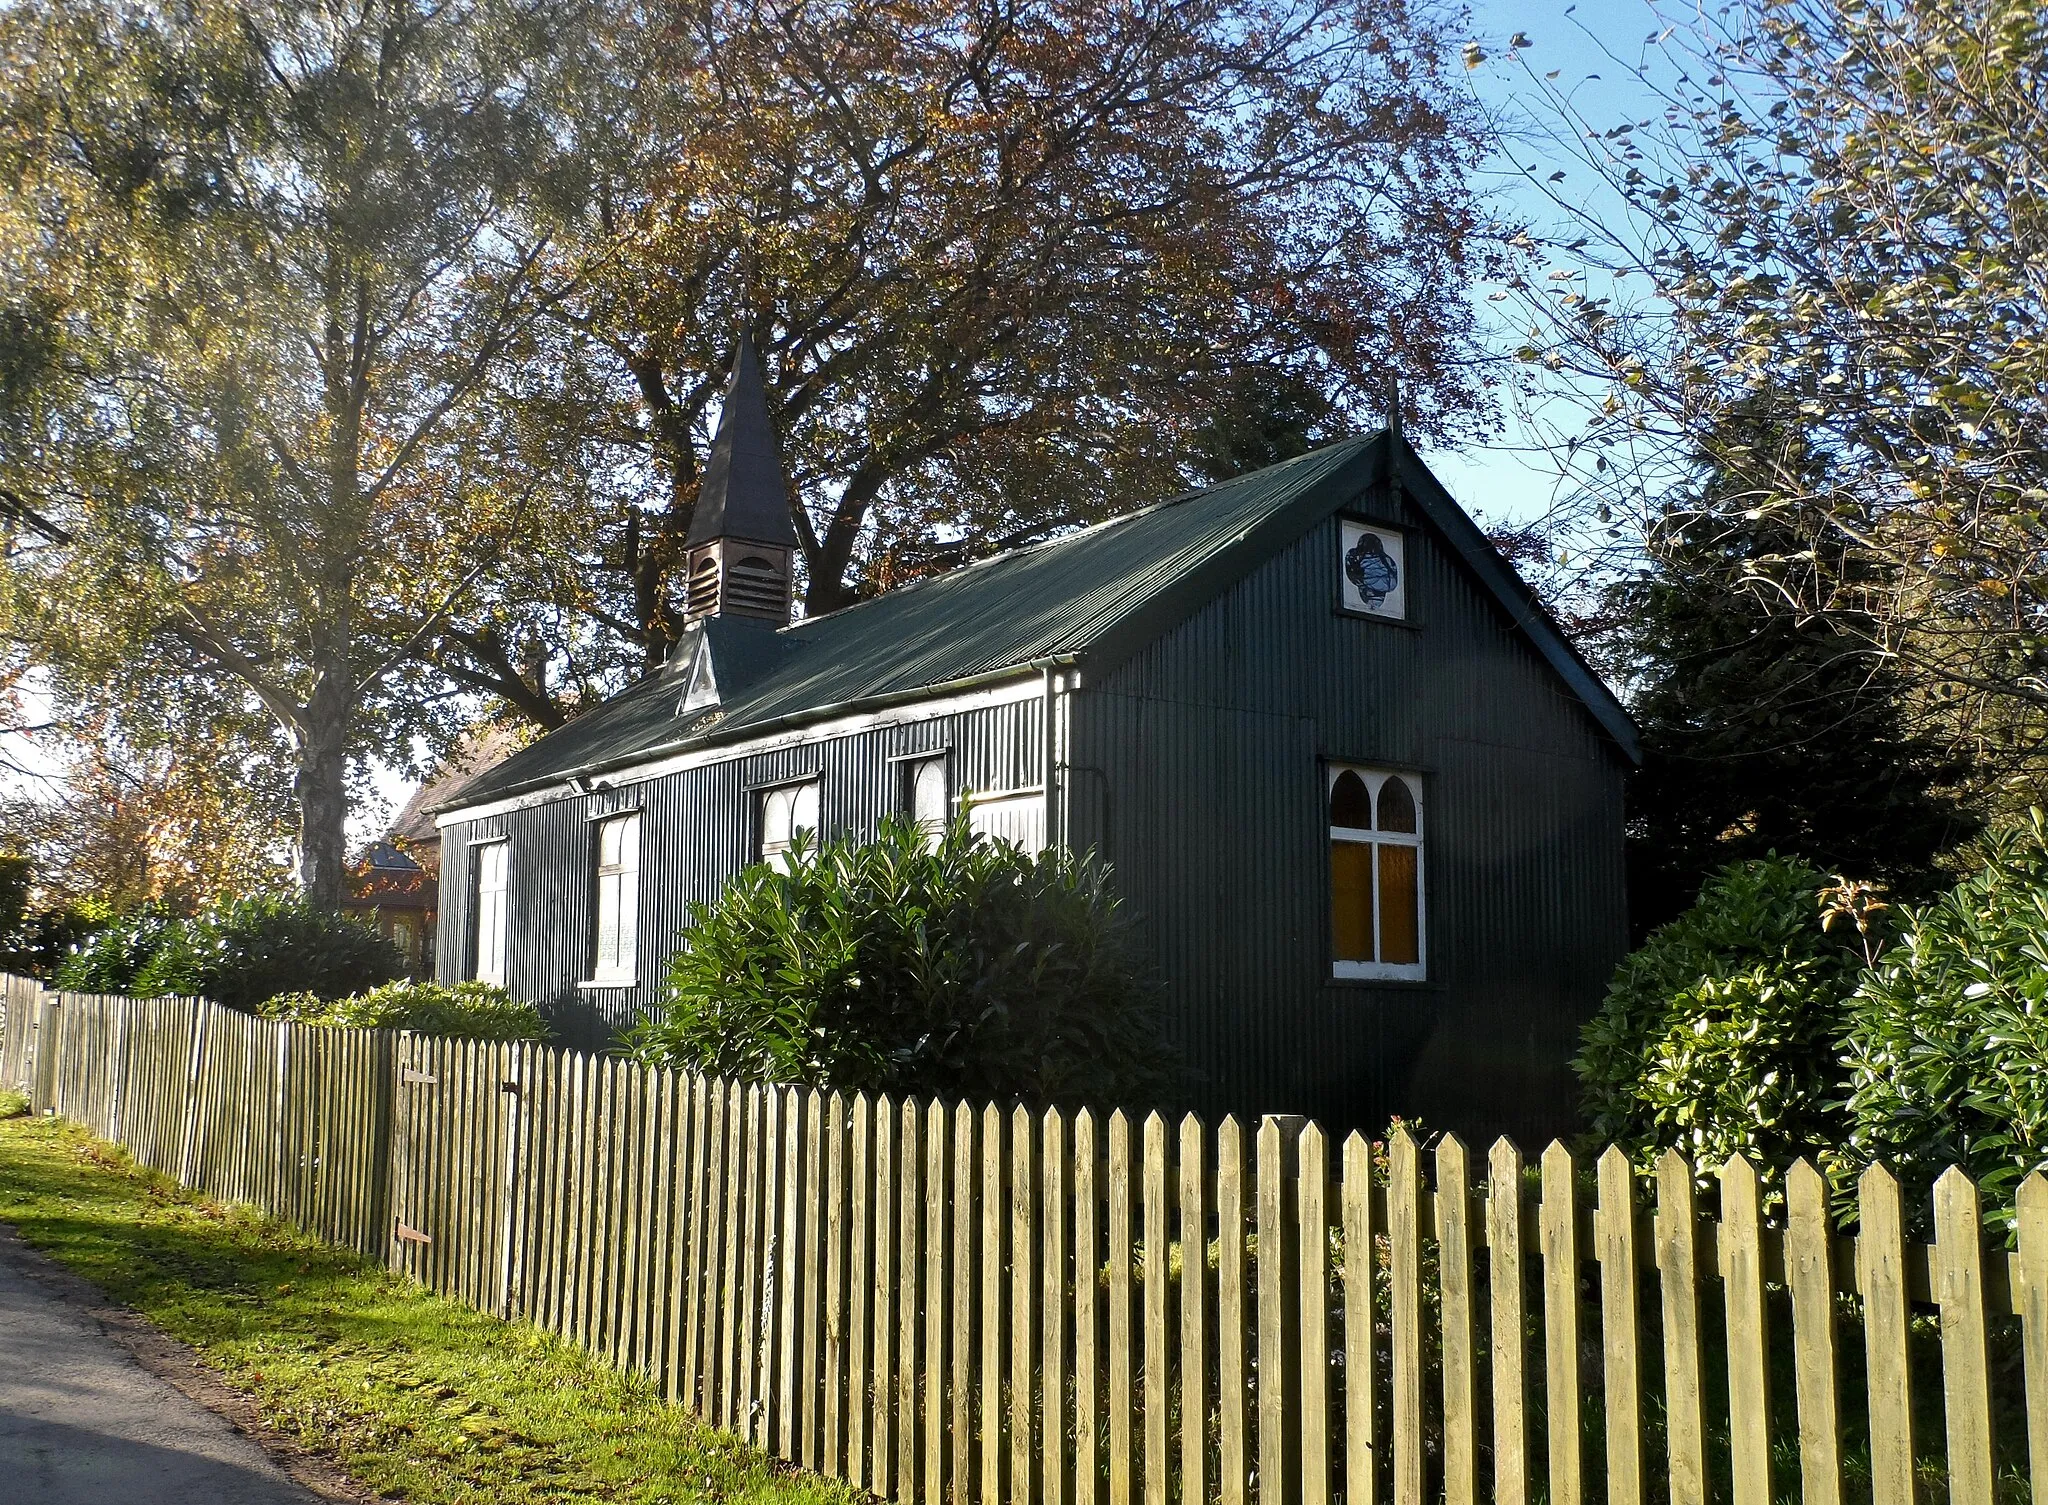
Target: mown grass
x=414 y=1396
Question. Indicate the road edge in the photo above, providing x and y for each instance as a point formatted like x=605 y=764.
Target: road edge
x=180 y=1366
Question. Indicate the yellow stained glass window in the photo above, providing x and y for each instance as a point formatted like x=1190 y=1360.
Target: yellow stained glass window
x=1377 y=923
x=1351 y=900
x=1400 y=911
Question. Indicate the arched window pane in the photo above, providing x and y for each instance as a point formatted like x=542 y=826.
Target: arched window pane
x=804 y=809
x=928 y=794
x=1350 y=803
x=775 y=816
x=1397 y=805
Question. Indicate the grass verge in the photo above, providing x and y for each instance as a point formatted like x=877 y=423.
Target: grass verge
x=414 y=1396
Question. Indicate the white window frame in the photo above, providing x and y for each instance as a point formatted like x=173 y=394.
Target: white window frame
x=490 y=890
x=615 y=902
x=780 y=812
x=1394 y=541
x=1374 y=778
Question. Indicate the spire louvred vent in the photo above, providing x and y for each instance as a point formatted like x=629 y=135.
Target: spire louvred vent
x=756 y=586
x=704 y=586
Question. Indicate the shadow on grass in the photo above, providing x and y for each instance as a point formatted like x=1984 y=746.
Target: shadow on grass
x=414 y=1395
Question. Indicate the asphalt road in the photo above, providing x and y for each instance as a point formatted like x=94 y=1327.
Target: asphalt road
x=83 y=1423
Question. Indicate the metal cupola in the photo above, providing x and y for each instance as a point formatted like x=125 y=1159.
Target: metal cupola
x=741 y=543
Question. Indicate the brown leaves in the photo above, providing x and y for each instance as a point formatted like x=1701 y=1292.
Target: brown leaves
x=971 y=240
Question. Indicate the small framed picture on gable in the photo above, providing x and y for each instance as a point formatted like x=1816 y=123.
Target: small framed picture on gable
x=1373 y=568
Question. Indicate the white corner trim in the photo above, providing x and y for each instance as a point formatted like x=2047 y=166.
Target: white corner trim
x=1026 y=687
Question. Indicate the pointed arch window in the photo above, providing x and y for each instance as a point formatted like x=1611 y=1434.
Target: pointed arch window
x=785 y=814
x=615 y=924
x=925 y=797
x=492 y=869
x=1377 y=922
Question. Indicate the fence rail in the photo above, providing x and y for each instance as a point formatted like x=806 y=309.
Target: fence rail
x=986 y=1303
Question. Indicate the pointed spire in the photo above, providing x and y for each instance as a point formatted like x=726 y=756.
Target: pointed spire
x=745 y=494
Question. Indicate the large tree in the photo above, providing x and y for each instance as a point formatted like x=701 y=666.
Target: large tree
x=1765 y=730
x=1005 y=264
x=1843 y=202
x=260 y=262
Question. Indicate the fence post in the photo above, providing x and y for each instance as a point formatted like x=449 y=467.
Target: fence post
x=283 y=1143
x=1360 y=1441
x=1748 y=1327
x=202 y=1012
x=1405 y=1316
x=1558 y=1232
x=1279 y=1307
x=49 y=1042
x=397 y=1161
x=1507 y=1309
x=116 y=1107
x=1677 y=1236
x=2033 y=1307
x=510 y=1221
x=1457 y=1323
x=1887 y=1317
x=1965 y=1352
x=1809 y=1272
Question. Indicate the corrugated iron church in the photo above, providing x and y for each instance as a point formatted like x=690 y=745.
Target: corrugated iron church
x=1361 y=794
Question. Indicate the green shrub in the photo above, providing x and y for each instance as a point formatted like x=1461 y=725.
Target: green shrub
x=110 y=960
x=36 y=938
x=1947 y=1040
x=248 y=950
x=1719 y=1034
x=972 y=970
x=464 y=1010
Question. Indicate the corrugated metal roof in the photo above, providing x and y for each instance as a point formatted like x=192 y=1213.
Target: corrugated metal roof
x=1106 y=589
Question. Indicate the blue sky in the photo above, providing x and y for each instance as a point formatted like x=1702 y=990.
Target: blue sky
x=1510 y=478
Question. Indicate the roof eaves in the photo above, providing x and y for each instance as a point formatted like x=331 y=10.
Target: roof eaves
x=740 y=731
x=1156 y=613
x=1523 y=606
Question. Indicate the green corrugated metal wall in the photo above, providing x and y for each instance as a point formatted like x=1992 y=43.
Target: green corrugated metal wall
x=1196 y=767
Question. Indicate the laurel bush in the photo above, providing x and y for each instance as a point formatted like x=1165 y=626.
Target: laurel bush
x=110 y=959
x=962 y=967
x=1719 y=1035
x=1947 y=1038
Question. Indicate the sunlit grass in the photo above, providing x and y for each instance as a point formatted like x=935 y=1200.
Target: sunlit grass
x=413 y=1395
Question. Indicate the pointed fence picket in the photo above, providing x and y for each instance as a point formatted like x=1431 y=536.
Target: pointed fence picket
x=988 y=1303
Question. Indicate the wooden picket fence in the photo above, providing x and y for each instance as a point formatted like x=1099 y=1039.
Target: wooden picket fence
x=993 y=1303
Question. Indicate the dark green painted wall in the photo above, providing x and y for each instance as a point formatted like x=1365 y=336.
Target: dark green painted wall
x=1196 y=767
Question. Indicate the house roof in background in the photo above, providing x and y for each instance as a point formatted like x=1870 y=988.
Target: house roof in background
x=479 y=751
x=1099 y=593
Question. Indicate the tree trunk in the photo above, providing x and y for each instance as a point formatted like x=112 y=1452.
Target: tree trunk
x=321 y=785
